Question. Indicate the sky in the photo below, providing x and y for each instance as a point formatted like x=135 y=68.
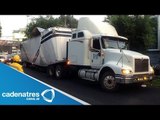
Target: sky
x=15 y=22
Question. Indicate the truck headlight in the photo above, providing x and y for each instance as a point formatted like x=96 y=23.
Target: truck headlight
x=126 y=71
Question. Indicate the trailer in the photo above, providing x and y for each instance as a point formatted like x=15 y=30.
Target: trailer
x=47 y=49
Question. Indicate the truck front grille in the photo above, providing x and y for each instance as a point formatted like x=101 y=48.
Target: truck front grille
x=141 y=65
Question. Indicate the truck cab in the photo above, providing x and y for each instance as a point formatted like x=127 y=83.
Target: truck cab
x=104 y=57
x=100 y=43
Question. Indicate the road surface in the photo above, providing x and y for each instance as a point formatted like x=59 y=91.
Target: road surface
x=93 y=94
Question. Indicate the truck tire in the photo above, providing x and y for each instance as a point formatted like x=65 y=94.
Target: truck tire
x=108 y=82
x=58 y=71
x=50 y=71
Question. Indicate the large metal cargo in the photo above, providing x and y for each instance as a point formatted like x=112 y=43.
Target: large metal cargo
x=48 y=48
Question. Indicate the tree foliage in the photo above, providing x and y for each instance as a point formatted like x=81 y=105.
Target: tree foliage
x=68 y=21
x=140 y=30
x=49 y=21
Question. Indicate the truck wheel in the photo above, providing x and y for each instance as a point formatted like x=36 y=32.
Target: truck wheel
x=50 y=71
x=58 y=71
x=108 y=82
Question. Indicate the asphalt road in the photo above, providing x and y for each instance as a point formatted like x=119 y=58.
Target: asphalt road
x=92 y=93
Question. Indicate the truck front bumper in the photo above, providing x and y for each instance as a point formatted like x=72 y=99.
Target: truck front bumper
x=140 y=78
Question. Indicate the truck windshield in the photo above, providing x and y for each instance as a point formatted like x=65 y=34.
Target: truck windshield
x=112 y=42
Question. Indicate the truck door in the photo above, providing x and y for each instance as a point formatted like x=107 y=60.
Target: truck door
x=96 y=60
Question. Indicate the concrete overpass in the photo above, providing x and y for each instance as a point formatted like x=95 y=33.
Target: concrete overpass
x=9 y=46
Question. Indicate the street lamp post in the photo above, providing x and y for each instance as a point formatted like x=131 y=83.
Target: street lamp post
x=28 y=18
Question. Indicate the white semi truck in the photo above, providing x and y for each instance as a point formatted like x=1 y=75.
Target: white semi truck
x=95 y=52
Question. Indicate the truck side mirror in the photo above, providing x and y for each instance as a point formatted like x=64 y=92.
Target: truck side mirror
x=99 y=53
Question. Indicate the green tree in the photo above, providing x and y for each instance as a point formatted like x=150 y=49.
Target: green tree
x=137 y=28
x=43 y=22
x=68 y=21
x=49 y=21
x=154 y=24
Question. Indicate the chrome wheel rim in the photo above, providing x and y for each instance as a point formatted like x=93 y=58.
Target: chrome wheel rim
x=109 y=82
x=50 y=72
x=58 y=71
